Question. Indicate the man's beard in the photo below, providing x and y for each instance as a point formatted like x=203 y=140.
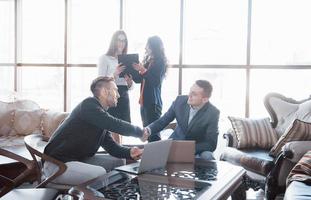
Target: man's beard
x=112 y=102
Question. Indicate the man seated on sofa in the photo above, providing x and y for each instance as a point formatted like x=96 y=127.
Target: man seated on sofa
x=78 y=138
x=299 y=180
x=197 y=119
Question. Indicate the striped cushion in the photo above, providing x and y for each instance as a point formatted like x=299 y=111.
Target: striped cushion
x=253 y=132
x=302 y=170
x=298 y=131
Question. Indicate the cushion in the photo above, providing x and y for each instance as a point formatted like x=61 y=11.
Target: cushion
x=302 y=170
x=287 y=112
x=10 y=141
x=253 y=132
x=20 y=104
x=27 y=122
x=298 y=131
x=6 y=122
x=254 y=160
x=51 y=120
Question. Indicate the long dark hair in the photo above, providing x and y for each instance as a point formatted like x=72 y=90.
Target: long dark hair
x=156 y=53
x=113 y=43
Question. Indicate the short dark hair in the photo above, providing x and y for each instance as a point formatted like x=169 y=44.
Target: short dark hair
x=206 y=86
x=98 y=83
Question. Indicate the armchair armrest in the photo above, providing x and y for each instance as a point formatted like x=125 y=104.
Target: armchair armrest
x=231 y=139
x=295 y=150
x=51 y=120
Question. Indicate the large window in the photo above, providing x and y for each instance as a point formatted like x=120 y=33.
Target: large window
x=215 y=32
x=7 y=50
x=294 y=83
x=145 y=18
x=7 y=31
x=245 y=48
x=7 y=83
x=42 y=31
x=79 y=80
x=90 y=27
x=281 y=32
x=44 y=87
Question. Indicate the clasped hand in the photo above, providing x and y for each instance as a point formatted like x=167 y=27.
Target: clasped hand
x=136 y=153
x=145 y=136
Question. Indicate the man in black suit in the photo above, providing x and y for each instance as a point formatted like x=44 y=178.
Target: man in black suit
x=197 y=119
x=77 y=139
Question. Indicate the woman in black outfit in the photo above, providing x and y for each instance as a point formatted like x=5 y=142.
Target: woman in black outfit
x=152 y=72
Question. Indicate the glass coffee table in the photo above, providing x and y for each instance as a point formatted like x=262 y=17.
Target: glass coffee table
x=200 y=180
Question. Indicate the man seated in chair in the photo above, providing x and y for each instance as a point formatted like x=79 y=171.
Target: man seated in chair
x=197 y=119
x=77 y=139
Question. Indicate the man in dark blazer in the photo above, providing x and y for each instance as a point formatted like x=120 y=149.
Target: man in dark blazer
x=197 y=119
x=77 y=139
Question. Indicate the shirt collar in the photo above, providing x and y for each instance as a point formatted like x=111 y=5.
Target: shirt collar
x=196 y=108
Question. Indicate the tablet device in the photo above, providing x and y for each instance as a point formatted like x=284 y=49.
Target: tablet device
x=127 y=60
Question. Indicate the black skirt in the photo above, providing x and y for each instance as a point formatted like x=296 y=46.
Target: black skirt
x=122 y=110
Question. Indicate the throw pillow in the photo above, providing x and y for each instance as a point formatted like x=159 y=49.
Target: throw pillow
x=26 y=122
x=51 y=120
x=253 y=132
x=6 y=123
x=297 y=131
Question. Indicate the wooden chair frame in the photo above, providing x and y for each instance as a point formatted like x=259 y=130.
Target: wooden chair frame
x=9 y=183
x=35 y=151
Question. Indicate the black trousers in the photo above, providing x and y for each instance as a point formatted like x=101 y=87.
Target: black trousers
x=150 y=113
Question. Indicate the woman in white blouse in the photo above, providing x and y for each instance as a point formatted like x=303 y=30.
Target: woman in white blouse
x=108 y=66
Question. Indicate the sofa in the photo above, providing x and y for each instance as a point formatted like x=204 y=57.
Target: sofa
x=266 y=162
x=24 y=117
x=18 y=119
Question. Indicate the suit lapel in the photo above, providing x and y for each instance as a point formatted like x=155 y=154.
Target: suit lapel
x=196 y=117
x=186 y=116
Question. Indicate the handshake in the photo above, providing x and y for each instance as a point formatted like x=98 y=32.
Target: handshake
x=146 y=134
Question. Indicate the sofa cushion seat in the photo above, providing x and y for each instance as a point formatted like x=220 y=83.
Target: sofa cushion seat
x=10 y=141
x=255 y=160
x=298 y=190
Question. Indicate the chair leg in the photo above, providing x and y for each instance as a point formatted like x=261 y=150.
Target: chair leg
x=239 y=193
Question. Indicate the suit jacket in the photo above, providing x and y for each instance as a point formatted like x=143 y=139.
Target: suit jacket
x=203 y=127
x=153 y=82
x=85 y=130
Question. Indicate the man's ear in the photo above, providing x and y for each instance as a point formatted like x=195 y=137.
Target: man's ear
x=205 y=99
x=104 y=92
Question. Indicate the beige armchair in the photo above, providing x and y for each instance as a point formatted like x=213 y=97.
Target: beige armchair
x=268 y=169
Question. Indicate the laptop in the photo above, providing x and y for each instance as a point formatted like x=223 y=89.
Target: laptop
x=154 y=156
x=182 y=151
